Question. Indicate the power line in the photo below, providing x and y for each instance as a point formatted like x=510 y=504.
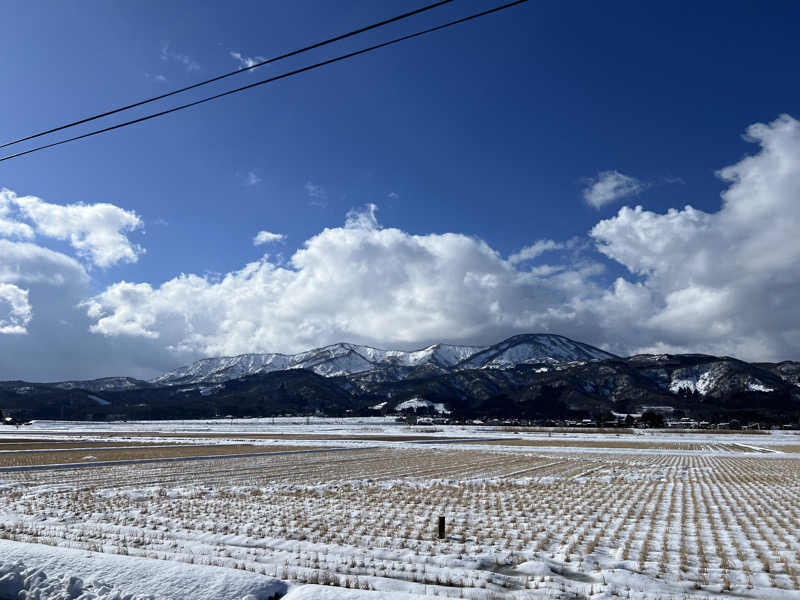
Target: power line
x=232 y=73
x=269 y=80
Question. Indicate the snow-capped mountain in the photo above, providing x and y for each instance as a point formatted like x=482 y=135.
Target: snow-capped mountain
x=529 y=348
x=537 y=376
x=351 y=359
x=712 y=376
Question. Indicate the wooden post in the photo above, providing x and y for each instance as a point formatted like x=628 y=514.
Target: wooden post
x=441 y=527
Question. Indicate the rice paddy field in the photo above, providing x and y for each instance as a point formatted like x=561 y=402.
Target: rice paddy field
x=350 y=509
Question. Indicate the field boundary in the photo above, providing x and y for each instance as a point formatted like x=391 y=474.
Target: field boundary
x=143 y=461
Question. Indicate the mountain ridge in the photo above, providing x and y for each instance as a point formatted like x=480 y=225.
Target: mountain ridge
x=348 y=359
x=530 y=376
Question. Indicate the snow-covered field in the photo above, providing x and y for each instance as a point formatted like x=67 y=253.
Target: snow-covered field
x=529 y=514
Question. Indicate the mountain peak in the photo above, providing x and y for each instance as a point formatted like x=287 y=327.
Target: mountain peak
x=534 y=347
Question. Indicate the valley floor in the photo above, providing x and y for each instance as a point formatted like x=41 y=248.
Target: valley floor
x=349 y=508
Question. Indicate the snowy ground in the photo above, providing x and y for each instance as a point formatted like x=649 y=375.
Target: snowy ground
x=50 y=570
x=530 y=514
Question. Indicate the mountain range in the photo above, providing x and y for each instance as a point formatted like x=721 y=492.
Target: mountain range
x=535 y=376
x=351 y=359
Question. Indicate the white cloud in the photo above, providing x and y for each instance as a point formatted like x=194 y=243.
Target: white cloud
x=267 y=237
x=357 y=282
x=252 y=179
x=18 y=312
x=41 y=289
x=365 y=218
x=245 y=62
x=26 y=263
x=534 y=250
x=95 y=231
x=610 y=186
x=58 y=344
x=29 y=271
x=726 y=281
x=168 y=54
x=723 y=282
x=10 y=225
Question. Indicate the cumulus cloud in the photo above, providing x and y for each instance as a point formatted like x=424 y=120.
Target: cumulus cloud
x=358 y=282
x=722 y=282
x=58 y=344
x=41 y=290
x=246 y=62
x=267 y=237
x=725 y=281
x=95 y=231
x=10 y=224
x=18 y=311
x=609 y=186
x=26 y=263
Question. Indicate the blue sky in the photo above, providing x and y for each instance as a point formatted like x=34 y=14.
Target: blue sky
x=492 y=130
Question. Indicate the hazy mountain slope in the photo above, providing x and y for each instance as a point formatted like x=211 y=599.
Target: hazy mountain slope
x=788 y=370
x=102 y=385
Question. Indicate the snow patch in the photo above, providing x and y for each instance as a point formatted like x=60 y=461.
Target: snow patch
x=685 y=383
x=701 y=384
x=757 y=386
x=321 y=592
x=416 y=403
x=51 y=573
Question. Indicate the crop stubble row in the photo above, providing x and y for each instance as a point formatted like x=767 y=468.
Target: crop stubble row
x=729 y=522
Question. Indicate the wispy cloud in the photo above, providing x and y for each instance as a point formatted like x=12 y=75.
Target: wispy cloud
x=364 y=218
x=168 y=54
x=156 y=77
x=245 y=62
x=251 y=179
x=317 y=194
x=610 y=186
x=267 y=237
x=392 y=195
x=534 y=250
